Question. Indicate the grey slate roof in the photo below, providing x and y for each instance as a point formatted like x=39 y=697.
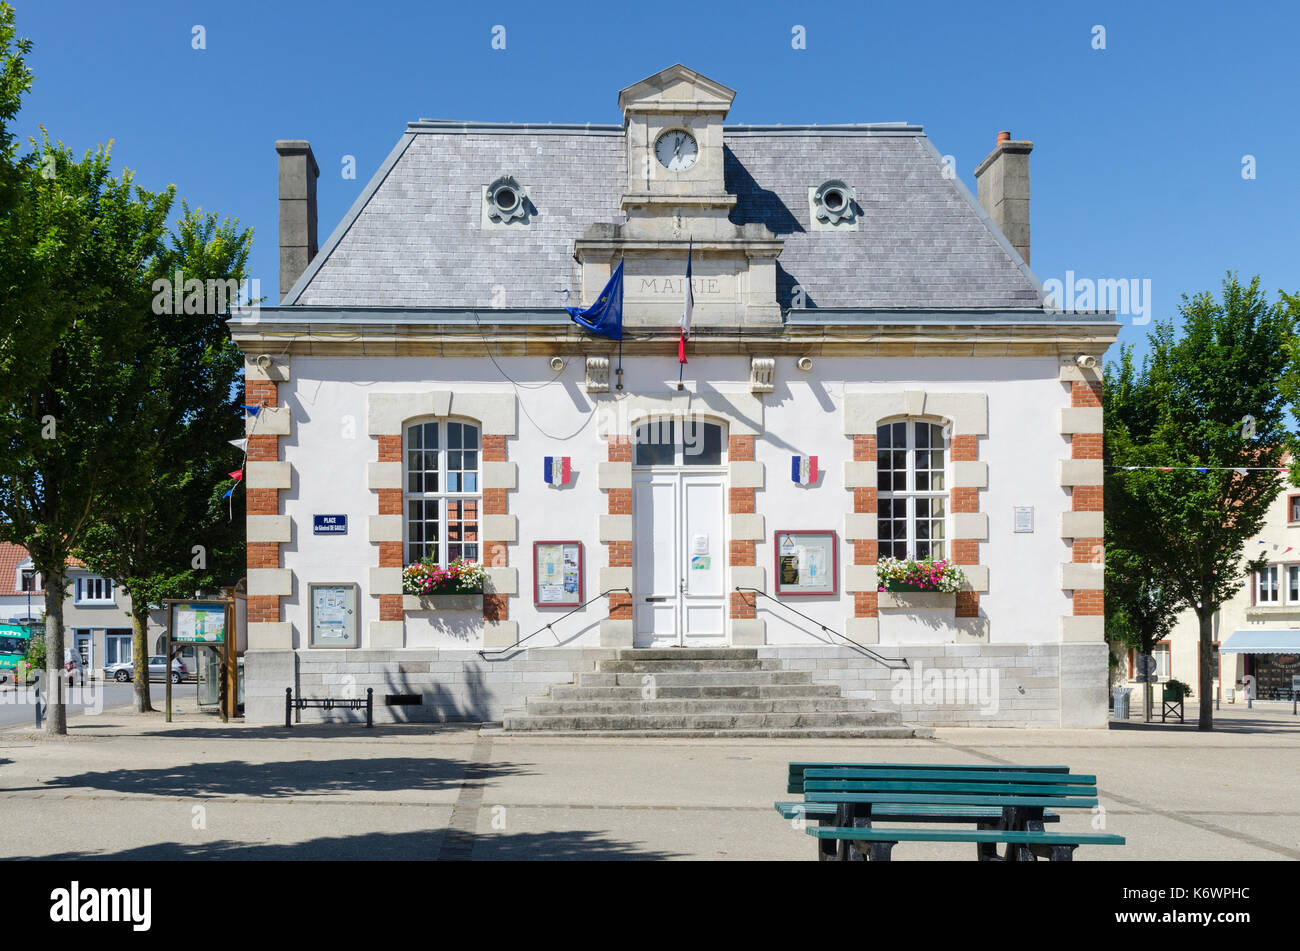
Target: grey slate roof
x=418 y=242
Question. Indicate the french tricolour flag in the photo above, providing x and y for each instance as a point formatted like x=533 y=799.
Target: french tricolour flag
x=555 y=470
x=803 y=469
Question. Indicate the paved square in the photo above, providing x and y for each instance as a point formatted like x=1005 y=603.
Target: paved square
x=137 y=788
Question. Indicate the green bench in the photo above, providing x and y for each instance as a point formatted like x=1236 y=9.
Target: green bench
x=1008 y=804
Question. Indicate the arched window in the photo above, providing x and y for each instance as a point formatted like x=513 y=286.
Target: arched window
x=912 y=491
x=679 y=442
x=442 y=491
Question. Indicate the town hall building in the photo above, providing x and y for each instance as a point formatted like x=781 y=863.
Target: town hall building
x=871 y=372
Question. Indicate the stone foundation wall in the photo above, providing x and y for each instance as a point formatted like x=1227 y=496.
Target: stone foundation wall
x=972 y=685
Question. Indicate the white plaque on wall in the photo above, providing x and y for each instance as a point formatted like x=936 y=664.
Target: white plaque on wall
x=1024 y=518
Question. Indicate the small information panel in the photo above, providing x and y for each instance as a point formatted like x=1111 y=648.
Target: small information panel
x=333 y=614
x=198 y=622
x=329 y=524
x=1024 y=518
x=557 y=574
x=807 y=563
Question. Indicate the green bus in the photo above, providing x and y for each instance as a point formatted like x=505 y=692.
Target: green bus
x=14 y=641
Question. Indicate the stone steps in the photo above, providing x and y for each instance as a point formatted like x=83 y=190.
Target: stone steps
x=759 y=691
x=702 y=692
x=709 y=706
x=899 y=732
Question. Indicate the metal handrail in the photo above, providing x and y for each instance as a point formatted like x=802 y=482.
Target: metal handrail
x=888 y=662
x=515 y=645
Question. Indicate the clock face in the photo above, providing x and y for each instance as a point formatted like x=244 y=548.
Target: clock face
x=677 y=150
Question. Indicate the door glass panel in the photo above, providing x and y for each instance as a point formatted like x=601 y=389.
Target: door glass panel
x=701 y=444
x=656 y=443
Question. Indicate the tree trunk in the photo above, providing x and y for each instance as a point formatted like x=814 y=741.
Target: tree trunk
x=140 y=659
x=56 y=714
x=1205 y=720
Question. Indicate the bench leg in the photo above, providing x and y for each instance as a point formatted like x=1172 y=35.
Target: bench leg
x=881 y=851
x=827 y=849
x=987 y=851
x=1063 y=853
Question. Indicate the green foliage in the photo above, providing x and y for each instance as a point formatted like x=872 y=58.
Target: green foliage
x=1214 y=396
x=36 y=652
x=1179 y=688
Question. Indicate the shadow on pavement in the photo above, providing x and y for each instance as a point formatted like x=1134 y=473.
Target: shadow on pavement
x=389 y=846
x=1221 y=725
x=300 y=731
x=284 y=778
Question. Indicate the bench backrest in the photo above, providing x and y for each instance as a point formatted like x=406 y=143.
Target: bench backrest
x=795 y=782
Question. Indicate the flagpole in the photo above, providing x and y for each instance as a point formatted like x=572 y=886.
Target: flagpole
x=619 y=371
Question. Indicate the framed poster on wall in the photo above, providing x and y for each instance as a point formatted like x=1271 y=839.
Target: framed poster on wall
x=558 y=571
x=333 y=614
x=807 y=563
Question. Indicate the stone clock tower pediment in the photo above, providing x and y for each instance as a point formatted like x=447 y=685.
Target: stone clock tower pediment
x=675 y=196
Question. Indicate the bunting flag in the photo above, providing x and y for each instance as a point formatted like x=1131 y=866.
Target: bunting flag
x=555 y=470
x=237 y=475
x=803 y=469
x=252 y=410
x=240 y=444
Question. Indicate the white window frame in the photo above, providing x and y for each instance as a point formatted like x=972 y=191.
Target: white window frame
x=106 y=593
x=1288 y=571
x=442 y=496
x=910 y=494
x=1275 y=586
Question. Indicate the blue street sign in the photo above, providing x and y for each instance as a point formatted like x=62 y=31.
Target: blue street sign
x=329 y=524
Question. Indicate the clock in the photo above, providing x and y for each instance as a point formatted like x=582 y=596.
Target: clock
x=676 y=150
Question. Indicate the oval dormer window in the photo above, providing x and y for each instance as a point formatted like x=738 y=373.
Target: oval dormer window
x=834 y=201
x=507 y=200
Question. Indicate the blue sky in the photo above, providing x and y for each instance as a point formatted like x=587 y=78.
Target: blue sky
x=1136 y=171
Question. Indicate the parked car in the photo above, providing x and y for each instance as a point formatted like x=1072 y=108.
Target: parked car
x=122 y=672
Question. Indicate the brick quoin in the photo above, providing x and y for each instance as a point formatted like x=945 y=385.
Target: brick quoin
x=390 y=607
x=965 y=499
x=263 y=607
x=620 y=554
x=496 y=607
x=741 y=502
x=864 y=500
x=866 y=604
x=1086 y=446
x=495 y=554
x=968 y=604
x=1089 y=603
x=966 y=551
x=260 y=392
x=494 y=448
x=263 y=448
x=619 y=449
x=620 y=606
x=263 y=555
x=1087 y=498
x=390 y=554
x=740 y=449
x=742 y=553
x=494 y=502
x=866 y=552
x=864 y=448
x=620 y=501
x=390 y=448
x=964 y=448
x=1086 y=549
x=390 y=501
x=262 y=502
x=1083 y=393
x=743 y=604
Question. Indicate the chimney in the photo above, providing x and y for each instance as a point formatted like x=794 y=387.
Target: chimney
x=298 y=174
x=1002 y=181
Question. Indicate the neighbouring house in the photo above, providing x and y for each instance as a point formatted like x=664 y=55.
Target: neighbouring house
x=871 y=371
x=1257 y=632
x=96 y=612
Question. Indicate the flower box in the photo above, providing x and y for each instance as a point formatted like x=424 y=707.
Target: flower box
x=443 y=602
x=427 y=579
x=914 y=599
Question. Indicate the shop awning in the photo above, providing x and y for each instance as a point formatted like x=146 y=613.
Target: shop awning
x=1276 y=641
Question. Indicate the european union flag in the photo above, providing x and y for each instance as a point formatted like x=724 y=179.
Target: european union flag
x=605 y=317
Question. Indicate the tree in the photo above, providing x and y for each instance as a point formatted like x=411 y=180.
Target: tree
x=66 y=432
x=1212 y=397
x=176 y=535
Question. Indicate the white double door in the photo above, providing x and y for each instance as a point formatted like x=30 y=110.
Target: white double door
x=680 y=570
